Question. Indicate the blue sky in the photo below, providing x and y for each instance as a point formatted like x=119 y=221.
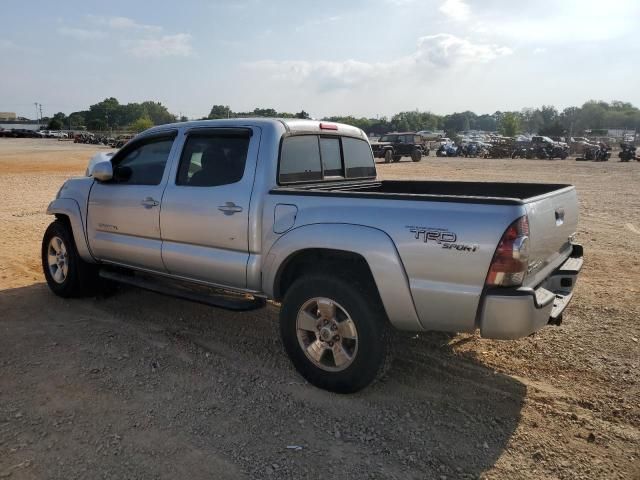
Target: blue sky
x=359 y=57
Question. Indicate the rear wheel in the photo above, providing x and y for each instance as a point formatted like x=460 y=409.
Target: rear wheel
x=66 y=273
x=335 y=332
x=388 y=156
x=397 y=158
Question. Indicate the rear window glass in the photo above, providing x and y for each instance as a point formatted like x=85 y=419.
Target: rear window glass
x=300 y=159
x=331 y=158
x=309 y=158
x=358 y=158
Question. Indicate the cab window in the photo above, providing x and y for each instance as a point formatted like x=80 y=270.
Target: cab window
x=213 y=159
x=143 y=163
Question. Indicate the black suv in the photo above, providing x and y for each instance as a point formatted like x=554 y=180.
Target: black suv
x=394 y=146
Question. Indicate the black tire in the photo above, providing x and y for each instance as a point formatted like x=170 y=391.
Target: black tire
x=367 y=313
x=388 y=156
x=81 y=278
x=396 y=158
x=416 y=156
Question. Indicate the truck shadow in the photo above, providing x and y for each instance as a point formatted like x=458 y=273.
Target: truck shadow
x=434 y=414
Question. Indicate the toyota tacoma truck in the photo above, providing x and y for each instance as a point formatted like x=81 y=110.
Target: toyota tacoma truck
x=235 y=212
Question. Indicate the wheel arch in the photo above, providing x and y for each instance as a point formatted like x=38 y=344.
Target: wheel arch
x=356 y=248
x=68 y=210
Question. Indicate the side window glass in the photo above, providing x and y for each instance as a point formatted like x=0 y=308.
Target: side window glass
x=300 y=159
x=144 y=165
x=331 y=158
x=212 y=160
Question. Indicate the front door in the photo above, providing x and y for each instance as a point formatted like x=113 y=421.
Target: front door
x=205 y=209
x=123 y=220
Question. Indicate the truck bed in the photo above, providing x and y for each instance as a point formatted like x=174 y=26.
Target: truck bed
x=443 y=191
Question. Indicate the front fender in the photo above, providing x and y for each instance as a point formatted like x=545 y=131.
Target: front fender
x=374 y=245
x=70 y=208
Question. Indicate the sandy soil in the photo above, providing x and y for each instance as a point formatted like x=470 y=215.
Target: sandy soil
x=137 y=385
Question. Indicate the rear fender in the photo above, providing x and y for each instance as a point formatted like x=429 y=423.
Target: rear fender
x=70 y=209
x=374 y=245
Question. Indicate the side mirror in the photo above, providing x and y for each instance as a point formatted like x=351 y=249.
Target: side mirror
x=103 y=171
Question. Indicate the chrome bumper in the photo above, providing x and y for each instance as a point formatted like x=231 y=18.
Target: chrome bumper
x=510 y=314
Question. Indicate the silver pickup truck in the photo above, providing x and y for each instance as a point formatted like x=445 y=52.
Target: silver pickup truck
x=234 y=212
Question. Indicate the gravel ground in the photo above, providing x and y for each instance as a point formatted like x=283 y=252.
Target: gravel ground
x=136 y=385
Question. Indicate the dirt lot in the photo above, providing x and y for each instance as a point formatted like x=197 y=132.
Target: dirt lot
x=137 y=385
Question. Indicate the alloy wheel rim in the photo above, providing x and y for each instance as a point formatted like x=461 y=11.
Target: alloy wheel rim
x=327 y=334
x=57 y=260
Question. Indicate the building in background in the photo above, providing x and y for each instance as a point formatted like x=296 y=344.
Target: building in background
x=8 y=116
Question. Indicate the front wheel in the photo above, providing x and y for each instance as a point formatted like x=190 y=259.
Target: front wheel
x=66 y=273
x=388 y=156
x=335 y=332
x=416 y=155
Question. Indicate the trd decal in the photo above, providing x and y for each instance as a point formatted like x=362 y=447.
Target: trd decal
x=442 y=237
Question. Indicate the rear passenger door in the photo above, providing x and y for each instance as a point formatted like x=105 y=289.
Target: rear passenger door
x=205 y=209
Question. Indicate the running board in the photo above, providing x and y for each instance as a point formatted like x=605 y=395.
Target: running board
x=196 y=293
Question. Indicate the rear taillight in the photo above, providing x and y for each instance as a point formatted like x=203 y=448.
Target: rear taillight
x=510 y=262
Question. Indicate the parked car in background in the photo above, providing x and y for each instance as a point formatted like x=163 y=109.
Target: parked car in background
x=394 y=146
x=546 y=148
x=578 y=145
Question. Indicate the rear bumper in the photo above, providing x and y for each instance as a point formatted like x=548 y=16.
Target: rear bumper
x=516 y=313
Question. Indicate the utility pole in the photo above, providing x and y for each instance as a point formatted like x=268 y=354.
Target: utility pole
x=40 y=111
x=37 y=121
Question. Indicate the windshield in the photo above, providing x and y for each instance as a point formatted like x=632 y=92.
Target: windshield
x=388 y=138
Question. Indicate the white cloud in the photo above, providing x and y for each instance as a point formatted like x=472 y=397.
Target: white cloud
x=80 y=33
x=319 y=22
x=539 y=50
x=441 y=50
x=178 y=45
x=122 y=23
x=400 y=3
x=7 y=44
x=444 y=49
x=456 y=9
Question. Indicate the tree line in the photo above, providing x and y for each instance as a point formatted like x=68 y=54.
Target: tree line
x=596 y=116
x=111 y=114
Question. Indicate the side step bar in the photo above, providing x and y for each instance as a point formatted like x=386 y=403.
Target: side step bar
x=206 y=295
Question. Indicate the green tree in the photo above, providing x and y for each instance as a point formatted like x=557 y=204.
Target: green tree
x=556 y=129
x=141 y=124
x=219 y=111
x=509 y=124
x=158 y=113
x=57 y=122
x=265 y=112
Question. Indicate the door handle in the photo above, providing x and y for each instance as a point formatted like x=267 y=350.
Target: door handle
x=149 y=202
x=229 y=208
